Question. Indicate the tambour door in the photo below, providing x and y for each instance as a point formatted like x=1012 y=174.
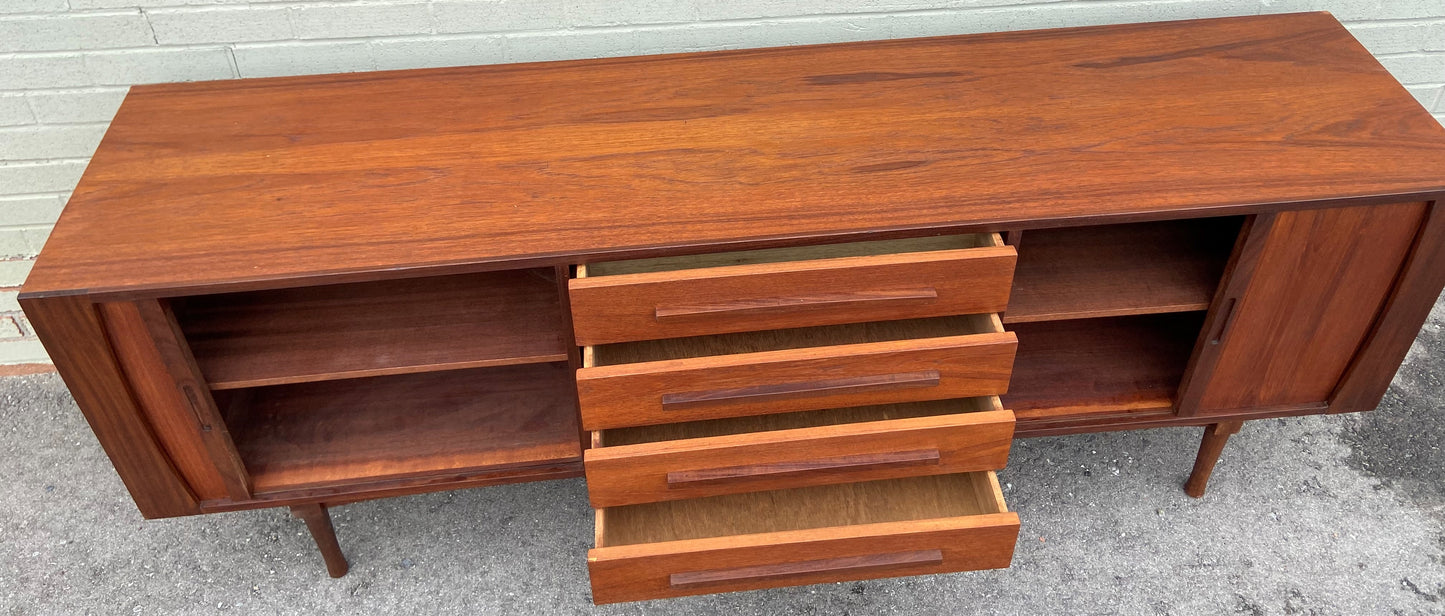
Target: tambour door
x=1304 y=293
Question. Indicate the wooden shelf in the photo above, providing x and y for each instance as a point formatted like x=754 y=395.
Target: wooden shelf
x=1115 y=270
x=1108 y=365
x=369 y=329
x=390 y=427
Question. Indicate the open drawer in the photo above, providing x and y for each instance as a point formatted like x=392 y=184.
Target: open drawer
x=779 y=288
x=833 y=533
x=757 y=373
x=646 y=464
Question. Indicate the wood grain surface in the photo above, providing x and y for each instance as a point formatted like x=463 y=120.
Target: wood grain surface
x=1113 y=270
x=75 y=337
x=791 y=421
x=177 y=427
x=802 y=369
x=872 y=563
x=642 y=548
x=871 y=502
x=816 y=289
x=392 y=427
x=866 y=449
x=270 y=182
x=1410 y=303
x=177 y=401
x=1314 y=294
x=372 y=329
x=1107 y=365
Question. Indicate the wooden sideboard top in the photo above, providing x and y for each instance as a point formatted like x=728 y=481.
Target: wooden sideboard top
x=274 y=182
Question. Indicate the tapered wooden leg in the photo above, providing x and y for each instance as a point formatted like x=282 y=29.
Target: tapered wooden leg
x=318 y=521
x=1215 y=436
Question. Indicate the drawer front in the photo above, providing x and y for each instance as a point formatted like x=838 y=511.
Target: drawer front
x=728 y=299
x=700 y=467
x=813 y=556
x=795 y=380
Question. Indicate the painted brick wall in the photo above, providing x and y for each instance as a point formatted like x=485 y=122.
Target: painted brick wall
x=65 y=64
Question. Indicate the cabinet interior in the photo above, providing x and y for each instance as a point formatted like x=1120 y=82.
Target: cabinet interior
x=353 y=383
x=361 y=382
x=404 y=326
x=1118 y=270
x=1107 y=316
x=389 y=427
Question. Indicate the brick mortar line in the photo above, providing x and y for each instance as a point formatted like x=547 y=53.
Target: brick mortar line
x=54 y=124
x=91 y=124
x=634 y=27
x=18 y=196
x=1395 y=21
x=38 y=161
x=21 y=323
x=42 y=16
x=301 y=4
x=71 y=90
x=424 y=37
x=35 y=162
x=49 y=53
x=362 y=3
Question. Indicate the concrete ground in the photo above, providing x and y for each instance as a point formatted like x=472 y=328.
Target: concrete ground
x=1318 y=515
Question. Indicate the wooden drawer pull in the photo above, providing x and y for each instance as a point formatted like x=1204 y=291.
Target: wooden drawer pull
x=782 y=391
x=820 y=466
x=803 y=302
x=847 y=564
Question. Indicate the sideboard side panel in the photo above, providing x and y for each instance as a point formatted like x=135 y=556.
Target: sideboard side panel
x=1405 y=312
x=71 y=330
x=1321 y=279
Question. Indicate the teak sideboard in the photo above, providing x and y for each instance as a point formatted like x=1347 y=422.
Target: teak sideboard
x=786 y=309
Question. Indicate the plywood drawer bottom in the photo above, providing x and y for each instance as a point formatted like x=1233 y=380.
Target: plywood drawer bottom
x=894 y=527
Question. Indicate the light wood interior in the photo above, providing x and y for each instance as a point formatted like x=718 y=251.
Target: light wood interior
x=789 y=421
x=797 y=253
x=892 y=500
x=330 y=432
x=1113 y=270
x=796 y=338
x=343 y=331
x=1105 y=365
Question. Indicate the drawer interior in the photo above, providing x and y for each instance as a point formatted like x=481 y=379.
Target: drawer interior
x=892 y=500
x=796 y=253
x=795 y=338
x=788 y=421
